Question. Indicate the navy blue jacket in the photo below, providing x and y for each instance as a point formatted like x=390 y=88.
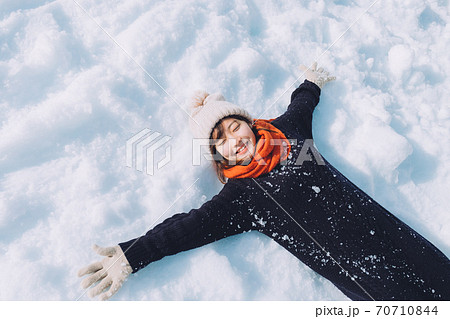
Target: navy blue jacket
x=318 y=215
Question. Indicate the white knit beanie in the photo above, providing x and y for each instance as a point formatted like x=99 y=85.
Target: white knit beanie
x=207 y=110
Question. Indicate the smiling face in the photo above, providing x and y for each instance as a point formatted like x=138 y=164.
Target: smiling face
x=234 y=140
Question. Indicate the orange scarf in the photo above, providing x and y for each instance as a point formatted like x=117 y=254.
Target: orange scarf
x=272 y=148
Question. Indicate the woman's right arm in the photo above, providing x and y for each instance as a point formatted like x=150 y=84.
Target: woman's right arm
x=223 y=216
x=220 y=217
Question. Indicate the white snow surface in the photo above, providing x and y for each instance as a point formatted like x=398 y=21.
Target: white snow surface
x=76 y=85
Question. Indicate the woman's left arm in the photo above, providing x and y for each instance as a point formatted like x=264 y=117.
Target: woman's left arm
x=316 y=75
x=304 y=100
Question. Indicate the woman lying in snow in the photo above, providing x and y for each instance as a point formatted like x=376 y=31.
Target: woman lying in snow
x=299 y=200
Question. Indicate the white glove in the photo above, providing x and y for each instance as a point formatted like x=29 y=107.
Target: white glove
x=317 y=76
x=113 y=270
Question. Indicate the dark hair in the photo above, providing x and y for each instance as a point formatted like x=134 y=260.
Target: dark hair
x=219 y=162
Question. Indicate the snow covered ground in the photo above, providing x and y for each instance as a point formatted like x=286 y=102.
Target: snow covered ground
x=75 y=86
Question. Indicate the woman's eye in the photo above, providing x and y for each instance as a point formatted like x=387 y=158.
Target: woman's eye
x=236 y=127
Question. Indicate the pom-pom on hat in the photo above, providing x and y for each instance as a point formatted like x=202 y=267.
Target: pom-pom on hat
x=208 y=109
